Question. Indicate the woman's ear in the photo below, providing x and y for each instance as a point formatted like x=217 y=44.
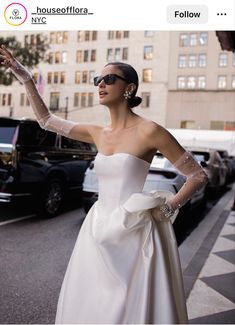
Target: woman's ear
x=131 y=87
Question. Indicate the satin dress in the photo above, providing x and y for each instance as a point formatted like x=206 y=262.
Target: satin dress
x=125 y=266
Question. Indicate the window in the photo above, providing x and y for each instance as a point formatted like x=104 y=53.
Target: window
x=79 y=56
x=24 y=100
x=90 y=99
x=222 y=82
x=192 y=61
x=191 y=82
x=217 y=125
x=54 y=100
x=125 y=53
x=78 y=77
x=148 y=33
x=94 y=35
x=76 y=100
x=65 y=37
x=193 y=39
x=109 y=54
x=52 y=37
x=203 y=38
x=181 y=83
x=148 y=52
x=182 y=61
x=9 y=100
x=93 y=55
x=183 y=40
x=126 y=34
x=4 y=99
x=187 y=124
x=84 y=77
x=145 y=99
x=85 y=56
x=118 y=34
x=35 y=136
x=59 y=37
x=117 y=55
x=110 y=34
x=56 y=77
x=147 y=75
x=80 y=36
x=64 y=57
x=74 y=144
x=49 y=77
x=22 y=96
x=87 y=35
x=229 y=125
x=62 y=77
x=35 y=76
x=91 y=76
x=83 y=100
x=32 y=39
x=202 y=60
x=201 y=82
x=51 y=58
x=223 y=59
x=57 y=57
x=233 y=82
x=26 y=40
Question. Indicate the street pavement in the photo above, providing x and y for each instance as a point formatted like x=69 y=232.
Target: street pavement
x=208 y=262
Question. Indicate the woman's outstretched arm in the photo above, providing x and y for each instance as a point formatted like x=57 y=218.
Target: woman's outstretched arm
x=183 y=161
x=47 y=120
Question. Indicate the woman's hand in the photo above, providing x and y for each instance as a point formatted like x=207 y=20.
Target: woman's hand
x=6 y=56
x=157 y=214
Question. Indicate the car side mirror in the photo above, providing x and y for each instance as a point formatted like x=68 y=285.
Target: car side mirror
x=203 y=164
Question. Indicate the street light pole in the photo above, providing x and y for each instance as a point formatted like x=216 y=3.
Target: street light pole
x=66 y=107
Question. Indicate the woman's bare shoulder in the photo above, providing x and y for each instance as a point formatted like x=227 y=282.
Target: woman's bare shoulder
x=149 y=127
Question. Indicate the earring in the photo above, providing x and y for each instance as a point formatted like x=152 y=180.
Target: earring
x=127 y=94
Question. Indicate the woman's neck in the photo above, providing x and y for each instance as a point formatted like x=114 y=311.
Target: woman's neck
x=122 y=118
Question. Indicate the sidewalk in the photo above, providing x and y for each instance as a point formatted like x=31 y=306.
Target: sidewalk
x=208 y=262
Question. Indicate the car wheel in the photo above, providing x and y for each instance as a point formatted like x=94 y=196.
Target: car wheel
x=52 y=198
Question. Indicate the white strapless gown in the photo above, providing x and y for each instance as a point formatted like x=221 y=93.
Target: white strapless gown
x=125 y=266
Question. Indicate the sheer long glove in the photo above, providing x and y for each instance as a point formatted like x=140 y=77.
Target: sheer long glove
x=196 y=178
x=45 y=118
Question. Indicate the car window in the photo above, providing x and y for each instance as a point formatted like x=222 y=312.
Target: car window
x=7 y=134
x=201 y=156
x=33 y=135
x=67 y=143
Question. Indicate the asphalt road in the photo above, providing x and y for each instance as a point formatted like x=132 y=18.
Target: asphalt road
x=34 y=253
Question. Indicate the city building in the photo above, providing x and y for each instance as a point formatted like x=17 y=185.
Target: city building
x=186 y=80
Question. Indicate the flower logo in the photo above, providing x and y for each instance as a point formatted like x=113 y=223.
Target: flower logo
x=15 y=14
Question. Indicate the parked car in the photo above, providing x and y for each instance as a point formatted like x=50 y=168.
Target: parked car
x=40 y=164
x=214 y=166
x=162 y=176
x=228 y=161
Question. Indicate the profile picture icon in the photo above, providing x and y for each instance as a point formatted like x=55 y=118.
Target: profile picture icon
x=15 y=14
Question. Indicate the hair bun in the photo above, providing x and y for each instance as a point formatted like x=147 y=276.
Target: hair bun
x=134 y=101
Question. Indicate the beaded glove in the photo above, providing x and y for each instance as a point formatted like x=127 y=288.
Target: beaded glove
x=196 y=178
x=45 y=118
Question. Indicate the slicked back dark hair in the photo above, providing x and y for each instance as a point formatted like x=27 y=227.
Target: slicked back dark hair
x=130 y=74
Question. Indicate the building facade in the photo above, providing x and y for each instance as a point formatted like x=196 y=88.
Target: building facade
x=186 y=80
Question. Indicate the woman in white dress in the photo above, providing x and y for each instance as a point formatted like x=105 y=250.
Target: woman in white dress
x=125 y=266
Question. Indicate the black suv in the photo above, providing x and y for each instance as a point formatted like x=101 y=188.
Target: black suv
x=40 y=164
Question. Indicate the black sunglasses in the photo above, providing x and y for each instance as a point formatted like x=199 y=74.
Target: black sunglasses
x=109 y=79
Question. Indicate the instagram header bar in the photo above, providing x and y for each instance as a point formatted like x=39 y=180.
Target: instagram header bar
x=121 y=15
